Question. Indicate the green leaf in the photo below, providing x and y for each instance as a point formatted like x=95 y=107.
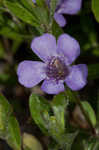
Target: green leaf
x=22 y=13
x=53 y=4
x=68 y=140
x=38 y=105
x=95 y=9
x=90 y=112
x=53 y=127
x=42 y=16
x=12 y=34
x=93 y=71
x=13 y=136
x=59 y=104
x=40 y=2
x=5 y=111
x=30 y=142
x=9 y=127
x=65 y=141
x=28 y=4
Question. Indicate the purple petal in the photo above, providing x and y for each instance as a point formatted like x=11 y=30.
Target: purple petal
x=70 y=7
x=31 y=73
x=60 y=19
x=51 y=87
x=44 y=46
x=77 y=78
x=34 y=1
x=69 y=47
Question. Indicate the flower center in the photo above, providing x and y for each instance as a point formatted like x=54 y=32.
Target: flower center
x=56 y=69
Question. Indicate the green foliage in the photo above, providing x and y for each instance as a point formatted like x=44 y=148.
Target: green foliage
x=9 y=127
x=28 y=4
x=58 y=105
x=13 y=137
x=38 y=106
x=53 y=5
x=95 y=9
x=21 y=21
x=18 y=10
x=10 y=33
x=53 y=123
x=91 y=145
x=40 y=3
x=90 y=112
x=5 y=111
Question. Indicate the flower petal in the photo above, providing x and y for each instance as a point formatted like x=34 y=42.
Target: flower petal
x=69 y=47
x=77 y=78
x=70 y=7
x=31 y=73
x=44 y=46
x=60 y=19
x=34 y=1
x=52 y=87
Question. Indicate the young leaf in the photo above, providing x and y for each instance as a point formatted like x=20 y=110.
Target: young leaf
x=59 y=104
x=9 y=127
x=5 y=111
x=53 y=4
x=41 y=15
x=19 y=11
x=38 y=105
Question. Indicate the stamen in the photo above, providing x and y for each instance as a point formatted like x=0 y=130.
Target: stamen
x=56 y=69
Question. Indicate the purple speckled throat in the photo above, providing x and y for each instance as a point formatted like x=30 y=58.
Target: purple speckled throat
x=56 y=69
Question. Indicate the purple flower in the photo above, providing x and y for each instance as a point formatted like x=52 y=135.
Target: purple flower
x=70 y=7
x=56 y=66
x=34 y=1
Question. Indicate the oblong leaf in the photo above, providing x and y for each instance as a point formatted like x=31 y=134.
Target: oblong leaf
x=38 y=105
x=18 y=10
